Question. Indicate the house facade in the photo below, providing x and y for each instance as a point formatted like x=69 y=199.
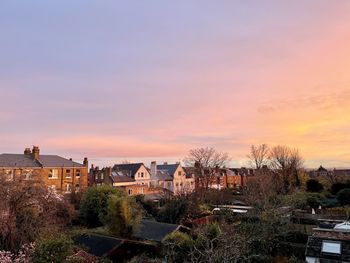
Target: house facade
x=133 y=178
x=57 y=173
x=172 y=177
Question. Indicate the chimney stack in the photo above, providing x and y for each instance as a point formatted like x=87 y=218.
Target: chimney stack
x=27 y=151
x=86 y=163
x=35 y=153
x=108 y=171
x=153 y=168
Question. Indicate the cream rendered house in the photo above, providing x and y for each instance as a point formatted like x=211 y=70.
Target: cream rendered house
x=138 y=172
x=172 y=177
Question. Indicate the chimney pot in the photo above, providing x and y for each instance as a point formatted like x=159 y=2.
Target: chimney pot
x=27 y=151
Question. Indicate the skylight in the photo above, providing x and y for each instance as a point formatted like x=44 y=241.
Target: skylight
x=331 y=247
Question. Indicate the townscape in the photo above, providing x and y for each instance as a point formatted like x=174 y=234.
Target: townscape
x=187 y=131
x=54 y=209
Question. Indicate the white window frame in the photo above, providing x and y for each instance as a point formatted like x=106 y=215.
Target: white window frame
x=78 y=173
x=68 y=188
x=9 y=174
x=332 y=247
x=53 y=174
x=69 y=175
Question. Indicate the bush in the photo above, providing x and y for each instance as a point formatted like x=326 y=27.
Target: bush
x=53 y=250
x=94 y=204
x=123 y=215
x=344 y=196
x=313 y=185
x=174 y=211
x=335 y=188
x=313 y=200
x=177 y=246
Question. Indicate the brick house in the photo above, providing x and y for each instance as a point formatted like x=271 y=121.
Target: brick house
x=59 y=174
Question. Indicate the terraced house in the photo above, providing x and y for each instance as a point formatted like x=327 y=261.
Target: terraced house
x=59 y=174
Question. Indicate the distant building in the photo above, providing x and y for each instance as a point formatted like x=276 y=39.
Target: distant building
x=329 y=243
x=172 y=177
x=134 y=178
x=332 y=174
x=238 y=177
x=59 y=174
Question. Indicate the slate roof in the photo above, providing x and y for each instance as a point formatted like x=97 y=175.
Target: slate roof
x=24 y=160
x=156 y=231
x=119 y=178
x=314 y=249
x=164 y=176
x=98 y=245
x=169 y=168
x=129 y=169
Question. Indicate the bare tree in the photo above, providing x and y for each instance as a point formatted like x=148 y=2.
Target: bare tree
x=206 y=162
x=258 y=156
x=287 y=162
x=27 y=209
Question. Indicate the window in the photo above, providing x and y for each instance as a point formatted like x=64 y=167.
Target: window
x=102 y=176
x=96 y=176
x=53 y=174
x=68 y=188
x=331 y=247
x=9 y=175
x=138 y=174
x=130 y=191
x=68 y=173
x=141 y=174
x=77 y=187
x=77 y=174
x=27 y=174
x=179 y=173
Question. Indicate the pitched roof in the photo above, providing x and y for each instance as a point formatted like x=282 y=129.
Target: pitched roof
x=164 y=176
x=129 y=169
x=98 y=245
x=169 y=168
x=118 y=178
x=24 y=160
x=156 y=231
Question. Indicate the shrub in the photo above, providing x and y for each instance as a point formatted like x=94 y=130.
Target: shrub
x=123 y=215
x=174 y=211
x=94 y=204
x=344 y=196
x=177 y=246
x=53 y=250
x=313 y=185
x=335 y=188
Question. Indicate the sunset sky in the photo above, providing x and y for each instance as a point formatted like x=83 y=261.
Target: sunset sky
x=149 y=80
